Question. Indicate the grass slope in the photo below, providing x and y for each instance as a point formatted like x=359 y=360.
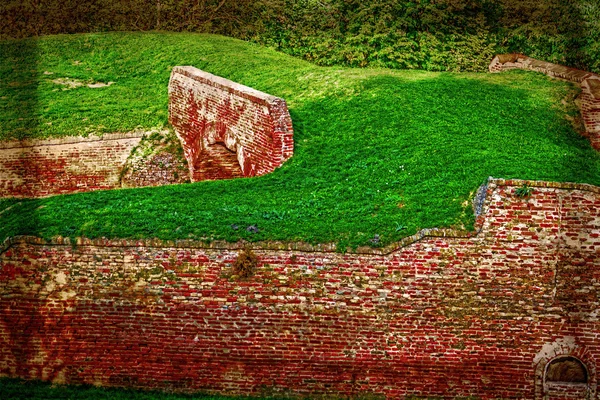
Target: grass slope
x=378 y=152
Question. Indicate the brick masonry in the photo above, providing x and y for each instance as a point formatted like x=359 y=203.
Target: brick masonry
x=443 y=313
x=157 y=161
x=37 y=168
x=589 y=83
x=227 y=130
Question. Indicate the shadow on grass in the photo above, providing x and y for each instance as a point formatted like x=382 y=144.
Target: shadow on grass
x=37 y=390
x=19 y=87
x=19 y=81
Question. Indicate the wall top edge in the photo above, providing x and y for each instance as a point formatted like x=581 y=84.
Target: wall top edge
x=20 y=144
x=593 y=85
x=545 y=184
x=562 y=71
x=225 y=84
x=301 y=247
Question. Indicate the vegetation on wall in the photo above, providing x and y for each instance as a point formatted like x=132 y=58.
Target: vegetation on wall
x=379 y=154
x=444 y=35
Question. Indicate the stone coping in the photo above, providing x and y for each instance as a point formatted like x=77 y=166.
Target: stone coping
x=15 y=144
x=593 y=85
x=227 y=85
x=491 y=184
x=555 y=70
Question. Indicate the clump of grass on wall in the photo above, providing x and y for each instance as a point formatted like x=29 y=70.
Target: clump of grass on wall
x=245 y=264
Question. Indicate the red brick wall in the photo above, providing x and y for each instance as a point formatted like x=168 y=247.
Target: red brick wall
x=226 y=129
x=56 y=166
x=444 y=313
x=590 y=108
x=589 y=83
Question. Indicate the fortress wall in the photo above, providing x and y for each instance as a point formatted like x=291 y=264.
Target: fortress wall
x=226 y=129
x=589 y=83
x=444 y=313
x=38 y=168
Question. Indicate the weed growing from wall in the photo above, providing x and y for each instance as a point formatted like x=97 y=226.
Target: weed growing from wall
x=524 y=191
x=245 y=264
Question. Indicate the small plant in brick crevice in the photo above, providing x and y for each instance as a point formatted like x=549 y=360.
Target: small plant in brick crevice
x=245 y=264
x=524 y=191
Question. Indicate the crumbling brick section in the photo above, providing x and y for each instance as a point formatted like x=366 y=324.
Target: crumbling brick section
x=589 y=83
x=227 y=130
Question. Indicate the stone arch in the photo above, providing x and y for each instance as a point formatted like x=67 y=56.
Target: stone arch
x=564 y=369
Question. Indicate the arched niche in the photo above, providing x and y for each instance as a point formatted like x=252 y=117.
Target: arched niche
x=564 y=369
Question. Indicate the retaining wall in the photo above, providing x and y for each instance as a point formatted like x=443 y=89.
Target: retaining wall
x=589 y=83
x=443 y=313
x=227 y=130
x=36 y=168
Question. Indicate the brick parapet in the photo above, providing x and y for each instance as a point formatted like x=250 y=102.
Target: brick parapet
x=211 y=114
x=225 y=85
x=46 y=167
x=26 y=143
x=503 y=62
x=589 y=83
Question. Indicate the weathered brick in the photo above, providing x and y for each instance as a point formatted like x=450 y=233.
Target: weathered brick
x=38 y=168
x=227 y=130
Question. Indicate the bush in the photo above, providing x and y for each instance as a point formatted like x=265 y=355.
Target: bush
x=445 y=35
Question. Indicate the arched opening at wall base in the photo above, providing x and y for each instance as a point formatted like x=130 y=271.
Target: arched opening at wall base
x=564 y=370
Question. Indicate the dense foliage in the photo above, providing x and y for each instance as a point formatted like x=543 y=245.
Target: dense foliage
x=436 y=35
x=427 y=34
x=379 y=154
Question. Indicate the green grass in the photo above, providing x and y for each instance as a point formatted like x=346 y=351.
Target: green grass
x=378 y=152
x=36 y=390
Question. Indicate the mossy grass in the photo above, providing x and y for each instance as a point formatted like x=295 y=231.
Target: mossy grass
x=13 y=389
x=378 y=153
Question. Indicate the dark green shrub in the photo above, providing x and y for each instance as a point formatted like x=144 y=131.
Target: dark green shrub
x=441 y=35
